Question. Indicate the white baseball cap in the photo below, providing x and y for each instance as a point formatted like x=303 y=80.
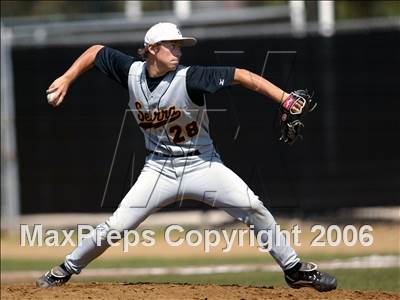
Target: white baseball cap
x=167 y=32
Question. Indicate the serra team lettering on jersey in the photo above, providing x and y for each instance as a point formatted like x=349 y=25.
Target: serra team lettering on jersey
x=171 y=123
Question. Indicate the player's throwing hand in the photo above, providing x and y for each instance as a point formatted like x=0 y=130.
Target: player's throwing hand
x=57 y=90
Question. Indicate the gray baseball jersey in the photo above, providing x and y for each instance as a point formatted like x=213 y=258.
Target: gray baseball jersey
x=171 y=123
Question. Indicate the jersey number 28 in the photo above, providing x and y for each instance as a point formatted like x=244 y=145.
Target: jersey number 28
x=177 y=131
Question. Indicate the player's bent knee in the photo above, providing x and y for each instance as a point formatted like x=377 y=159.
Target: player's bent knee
x=257 y=207
x=260 y=216
x=104 y=233
x=102 y=230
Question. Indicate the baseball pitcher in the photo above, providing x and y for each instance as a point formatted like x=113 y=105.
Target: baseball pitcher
x=168 y=103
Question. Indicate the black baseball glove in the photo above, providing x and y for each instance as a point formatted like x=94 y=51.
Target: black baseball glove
x=292 y=114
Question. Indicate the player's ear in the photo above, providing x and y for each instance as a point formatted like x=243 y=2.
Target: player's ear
x=153 y=49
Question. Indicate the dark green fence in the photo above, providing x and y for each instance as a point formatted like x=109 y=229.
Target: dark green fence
x=350 y=155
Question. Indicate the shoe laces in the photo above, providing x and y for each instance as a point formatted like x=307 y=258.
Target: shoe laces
x=57 y=278
x=314 y=275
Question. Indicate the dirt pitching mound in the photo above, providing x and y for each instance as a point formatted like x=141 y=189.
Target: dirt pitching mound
x=94 y=290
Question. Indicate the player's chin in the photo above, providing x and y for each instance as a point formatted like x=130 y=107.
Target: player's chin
x=173 y=64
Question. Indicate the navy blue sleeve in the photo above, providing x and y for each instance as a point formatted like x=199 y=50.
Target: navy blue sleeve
x=114 y=64
x=201 y=80
x=209 y=79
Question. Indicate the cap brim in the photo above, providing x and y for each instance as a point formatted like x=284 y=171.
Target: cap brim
x=185 y=41
x=188 y=41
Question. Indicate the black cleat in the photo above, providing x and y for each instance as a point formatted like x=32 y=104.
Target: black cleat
x=309 y=276
x=55 y=277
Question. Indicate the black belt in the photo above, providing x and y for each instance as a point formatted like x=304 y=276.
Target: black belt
x=193 y=153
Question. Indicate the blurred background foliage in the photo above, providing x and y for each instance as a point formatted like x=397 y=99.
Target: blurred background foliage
x=75 y=9
x=365 y=9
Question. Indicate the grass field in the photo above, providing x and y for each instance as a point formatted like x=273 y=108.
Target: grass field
x=14 y=264
x=382 y=279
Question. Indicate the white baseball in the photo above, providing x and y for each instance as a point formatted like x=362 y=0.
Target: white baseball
x=51 y=97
